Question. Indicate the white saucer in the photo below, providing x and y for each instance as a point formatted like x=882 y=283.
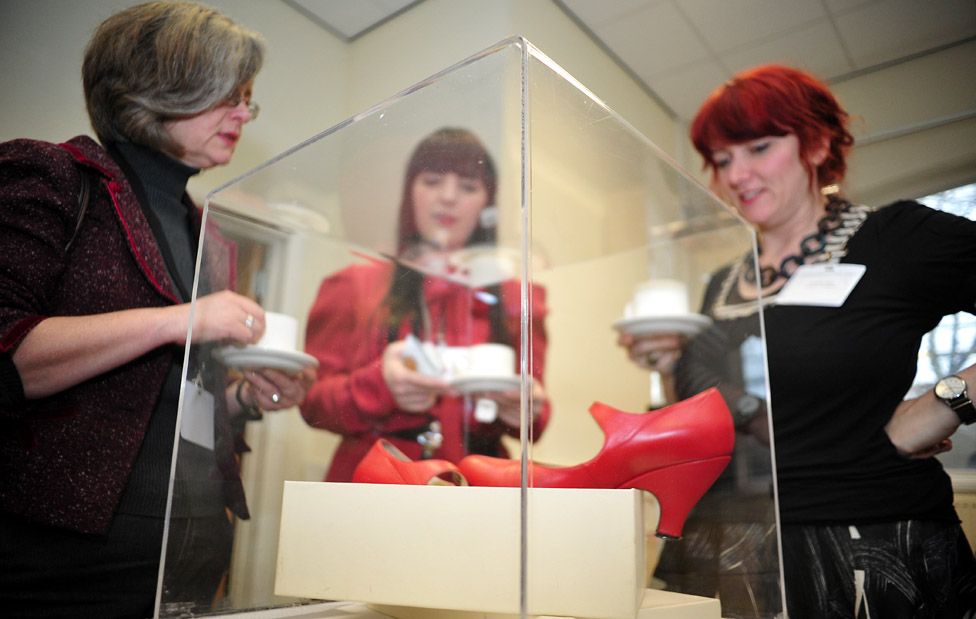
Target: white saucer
x=688 y=324
x=255 y=357
x=471 y=384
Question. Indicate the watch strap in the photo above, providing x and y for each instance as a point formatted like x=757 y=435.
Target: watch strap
x=965 y=409
x=962 y=404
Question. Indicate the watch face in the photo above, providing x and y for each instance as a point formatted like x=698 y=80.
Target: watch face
x=950 y=388
x=748 y=404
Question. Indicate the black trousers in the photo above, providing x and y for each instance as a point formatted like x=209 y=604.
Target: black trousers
x=52 y=573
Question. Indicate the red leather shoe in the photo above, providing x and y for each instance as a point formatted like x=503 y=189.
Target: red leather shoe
x=385 y=464
x=676 y=453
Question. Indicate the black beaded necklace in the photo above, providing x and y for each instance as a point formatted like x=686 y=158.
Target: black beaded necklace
x=809 y=246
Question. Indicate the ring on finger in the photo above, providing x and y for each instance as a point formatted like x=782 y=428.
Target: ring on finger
x=275 y=397
x=249 y=321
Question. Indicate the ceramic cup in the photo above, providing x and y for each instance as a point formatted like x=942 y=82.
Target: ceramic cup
x=280 y=332
x=660 y=297
x=490 y=360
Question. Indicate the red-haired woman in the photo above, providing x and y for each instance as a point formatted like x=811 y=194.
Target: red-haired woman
x=366 y=389
x=867 y=520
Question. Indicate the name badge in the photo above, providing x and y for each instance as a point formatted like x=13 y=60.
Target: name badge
x=197 y=418
x=825 y=285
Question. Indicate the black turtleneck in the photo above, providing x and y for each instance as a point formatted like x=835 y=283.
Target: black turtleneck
x=159 y=181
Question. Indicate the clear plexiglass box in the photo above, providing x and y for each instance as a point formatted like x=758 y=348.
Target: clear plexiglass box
x=491 y=262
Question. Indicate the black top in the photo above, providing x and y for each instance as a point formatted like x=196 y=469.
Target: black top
x=837 y=374
x=160 y=182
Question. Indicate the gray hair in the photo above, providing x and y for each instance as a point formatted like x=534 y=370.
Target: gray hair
x=162 y=61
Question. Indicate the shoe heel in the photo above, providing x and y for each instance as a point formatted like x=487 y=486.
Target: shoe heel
x=677 y=489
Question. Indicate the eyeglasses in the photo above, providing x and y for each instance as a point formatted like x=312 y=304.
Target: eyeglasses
x=237 y=98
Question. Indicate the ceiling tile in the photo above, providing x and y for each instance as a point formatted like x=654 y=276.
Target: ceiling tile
x=682 y=49
x=891 y=29
x=727 y=25
x=814 y=48
x=351 y=17
x=836 y=7
x=392 y=6
x=685 y=90
x=654 y=40
x=596 y=14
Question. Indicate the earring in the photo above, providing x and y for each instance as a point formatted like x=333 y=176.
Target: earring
x=488 y=218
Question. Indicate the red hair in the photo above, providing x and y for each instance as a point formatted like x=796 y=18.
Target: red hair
x=776 y=100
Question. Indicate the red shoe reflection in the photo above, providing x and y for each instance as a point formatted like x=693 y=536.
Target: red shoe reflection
x=385 y=464
x=676 y=453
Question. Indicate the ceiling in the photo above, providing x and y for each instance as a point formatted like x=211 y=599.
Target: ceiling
x=680 y=49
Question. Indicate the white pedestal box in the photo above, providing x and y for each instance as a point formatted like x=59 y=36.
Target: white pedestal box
x=655 y=605
x=457 y=548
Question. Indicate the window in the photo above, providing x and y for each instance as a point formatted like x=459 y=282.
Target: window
x=952 y=344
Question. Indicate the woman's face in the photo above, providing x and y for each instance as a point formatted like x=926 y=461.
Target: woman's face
x=446 y=207
x=209 y=138
x=766 y=180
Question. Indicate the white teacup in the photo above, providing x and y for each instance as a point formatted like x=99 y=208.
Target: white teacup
x=454 y=359
x=660 y=297
x=280 y=332
x=489 y=360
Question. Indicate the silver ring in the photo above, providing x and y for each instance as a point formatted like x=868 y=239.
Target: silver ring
x=249 y=321
x=275 y=397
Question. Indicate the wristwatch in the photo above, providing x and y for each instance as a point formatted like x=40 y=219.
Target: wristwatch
x=745 y=410
x=952 y=391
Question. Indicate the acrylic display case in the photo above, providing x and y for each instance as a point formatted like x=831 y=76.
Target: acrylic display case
x=567 y=236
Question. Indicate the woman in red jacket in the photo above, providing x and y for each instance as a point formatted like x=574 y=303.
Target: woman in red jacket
x=365 y=388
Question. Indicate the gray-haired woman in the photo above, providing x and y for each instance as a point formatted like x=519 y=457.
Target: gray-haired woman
x=94 y=313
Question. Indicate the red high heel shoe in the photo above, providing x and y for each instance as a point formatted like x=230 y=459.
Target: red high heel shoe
x=676 y=453
x=385 y=464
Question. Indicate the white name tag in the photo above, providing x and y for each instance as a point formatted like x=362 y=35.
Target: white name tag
x=197 y=419
x=826 y=285
x=486 y=410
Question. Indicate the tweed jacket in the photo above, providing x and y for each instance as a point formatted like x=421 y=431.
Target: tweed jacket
x=65 y=459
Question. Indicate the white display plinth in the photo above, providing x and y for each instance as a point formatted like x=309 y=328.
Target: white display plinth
x=655 y=605
x=457 y=548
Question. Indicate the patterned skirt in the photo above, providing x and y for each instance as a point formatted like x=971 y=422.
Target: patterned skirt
x=900 y=570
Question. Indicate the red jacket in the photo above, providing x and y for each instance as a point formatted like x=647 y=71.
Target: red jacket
x=65 y=459
x=347 y=334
